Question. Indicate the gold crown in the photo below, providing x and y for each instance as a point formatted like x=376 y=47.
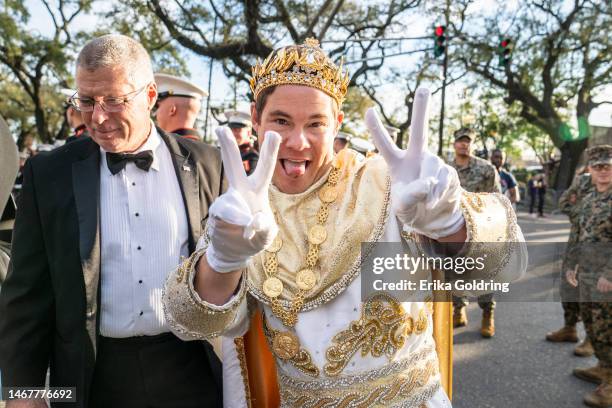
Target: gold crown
x=304 y=64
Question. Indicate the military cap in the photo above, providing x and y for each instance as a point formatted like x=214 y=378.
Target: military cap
x=465 y=132
x=238 y=119
x=361 y=145
x=68 y=93
x=600 y=154
x=343 y=136
x=170 y=85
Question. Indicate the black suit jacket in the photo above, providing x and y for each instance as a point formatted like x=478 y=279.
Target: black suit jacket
x=50 y=299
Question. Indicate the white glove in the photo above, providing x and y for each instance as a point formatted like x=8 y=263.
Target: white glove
x=425 y=192
x=240 y=222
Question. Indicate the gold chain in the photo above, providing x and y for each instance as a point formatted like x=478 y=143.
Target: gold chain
x=306 y=278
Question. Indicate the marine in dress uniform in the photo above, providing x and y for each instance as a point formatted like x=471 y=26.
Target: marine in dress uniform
x=241 y=126
x=73 y=117
x=178 y=105
x=341 y=141
x=476 y=176
x=363 y=147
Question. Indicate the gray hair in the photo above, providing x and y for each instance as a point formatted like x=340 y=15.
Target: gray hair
x=116 y=50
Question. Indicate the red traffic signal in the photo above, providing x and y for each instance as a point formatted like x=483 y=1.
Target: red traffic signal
x=439 y=40
x=504 y=51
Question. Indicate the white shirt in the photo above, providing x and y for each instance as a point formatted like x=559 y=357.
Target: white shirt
x=143 y=234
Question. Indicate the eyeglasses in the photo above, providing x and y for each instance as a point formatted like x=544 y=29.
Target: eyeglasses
x=107 y=103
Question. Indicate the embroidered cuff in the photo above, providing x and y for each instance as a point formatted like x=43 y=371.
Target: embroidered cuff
x=192 y=318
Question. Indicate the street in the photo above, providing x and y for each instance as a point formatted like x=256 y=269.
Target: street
x=518 y=367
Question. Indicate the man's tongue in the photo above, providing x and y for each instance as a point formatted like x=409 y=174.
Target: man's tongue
x=295 y=169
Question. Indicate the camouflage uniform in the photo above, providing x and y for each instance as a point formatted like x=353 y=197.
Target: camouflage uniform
x=581 y=187
x=592 y=255
x=479 y=176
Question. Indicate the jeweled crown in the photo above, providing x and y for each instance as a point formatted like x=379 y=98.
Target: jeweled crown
x=305 y=64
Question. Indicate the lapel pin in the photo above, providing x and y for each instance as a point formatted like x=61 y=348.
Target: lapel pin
x=186 y=168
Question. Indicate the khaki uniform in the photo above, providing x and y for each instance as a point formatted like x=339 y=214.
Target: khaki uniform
x=581 y=187
x=479 y=176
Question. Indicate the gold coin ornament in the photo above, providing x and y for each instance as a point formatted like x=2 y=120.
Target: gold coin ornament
x=286 y=345
x=306 y=279
x=276 y=245
x=328 y=194
x=317 y=234
x=273 y=287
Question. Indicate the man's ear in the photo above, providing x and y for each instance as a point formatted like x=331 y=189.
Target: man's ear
x=339 y=120
x=152 y=95
x=173 y=110
x=254 y=118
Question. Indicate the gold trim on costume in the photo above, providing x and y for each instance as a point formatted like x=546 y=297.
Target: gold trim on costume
x=382 y=329
x=240 y=352
x=306 y=278
x=187 y=314
x=364 y=184
x=498 y=242
x=285 y=346
x=410 y=388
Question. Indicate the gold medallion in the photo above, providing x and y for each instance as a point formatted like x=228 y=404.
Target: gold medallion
x=286 y=345
x=317 y=234
x=306 y=279
x=276 y=245
x=273 y=287
x=328 y=194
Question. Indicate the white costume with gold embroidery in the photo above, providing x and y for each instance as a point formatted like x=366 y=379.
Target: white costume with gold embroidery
x=351 y=353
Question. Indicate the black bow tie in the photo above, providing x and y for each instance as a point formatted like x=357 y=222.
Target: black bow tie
x=117 y=161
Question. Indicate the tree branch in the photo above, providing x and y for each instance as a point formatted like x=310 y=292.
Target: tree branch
x=285 y=18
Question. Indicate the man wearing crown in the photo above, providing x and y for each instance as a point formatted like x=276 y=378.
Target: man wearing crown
x=285 y=244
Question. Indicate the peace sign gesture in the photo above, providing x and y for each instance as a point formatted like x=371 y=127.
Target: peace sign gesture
x=425 y=192
x=241 y=223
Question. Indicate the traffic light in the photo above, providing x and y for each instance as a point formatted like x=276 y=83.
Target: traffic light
x=439 y=40
x=504 y=50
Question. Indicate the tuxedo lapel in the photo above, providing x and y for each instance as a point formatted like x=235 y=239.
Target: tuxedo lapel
x=86 y=190
x=188 y=178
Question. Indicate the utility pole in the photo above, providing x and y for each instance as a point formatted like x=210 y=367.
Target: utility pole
x=210 y=69
x=444 y=70
x=441 y=130
x=235 y=93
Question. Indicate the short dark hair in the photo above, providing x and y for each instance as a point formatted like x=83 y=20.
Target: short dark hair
x=260 y=102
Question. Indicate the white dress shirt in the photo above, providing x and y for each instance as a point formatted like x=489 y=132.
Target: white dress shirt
x=143 y=234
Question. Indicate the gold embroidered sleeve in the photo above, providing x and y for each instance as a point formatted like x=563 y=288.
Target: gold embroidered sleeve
x=494 y=239
x=495 y=249
x=192 y=318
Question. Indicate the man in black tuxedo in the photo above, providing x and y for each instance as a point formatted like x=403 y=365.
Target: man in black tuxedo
x=101 y=223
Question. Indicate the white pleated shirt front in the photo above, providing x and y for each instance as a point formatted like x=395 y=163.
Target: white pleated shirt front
x=143 y=234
